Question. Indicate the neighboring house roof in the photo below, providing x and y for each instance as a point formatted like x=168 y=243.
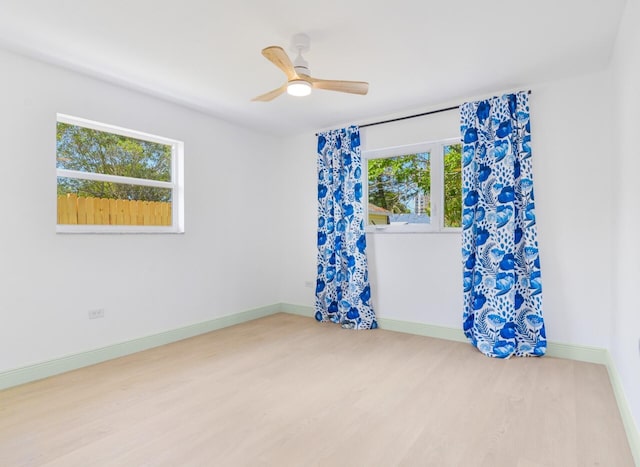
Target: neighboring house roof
x=373 y=209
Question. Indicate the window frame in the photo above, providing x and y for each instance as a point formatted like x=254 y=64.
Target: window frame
x=436 y=160
x=176 y=185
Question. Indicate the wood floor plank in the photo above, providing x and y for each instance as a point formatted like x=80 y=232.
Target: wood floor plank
x=287 y=391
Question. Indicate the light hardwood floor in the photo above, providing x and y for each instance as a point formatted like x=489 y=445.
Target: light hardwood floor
x=287 y=391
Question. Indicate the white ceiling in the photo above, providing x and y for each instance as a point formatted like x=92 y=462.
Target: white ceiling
x=415 y=54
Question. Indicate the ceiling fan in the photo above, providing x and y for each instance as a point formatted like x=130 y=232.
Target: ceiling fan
x=299 y=79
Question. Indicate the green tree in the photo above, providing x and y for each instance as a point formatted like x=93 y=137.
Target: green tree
x=453 y=185
x=394 y=182
x=88 y=150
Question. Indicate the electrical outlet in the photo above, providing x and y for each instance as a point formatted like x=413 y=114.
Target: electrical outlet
x=95 y=314
x=308 y=284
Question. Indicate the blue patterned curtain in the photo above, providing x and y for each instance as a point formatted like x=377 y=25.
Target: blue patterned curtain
x=502 y=290
x=343 y=294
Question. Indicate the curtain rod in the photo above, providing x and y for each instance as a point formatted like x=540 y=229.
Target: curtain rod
x=382 y=122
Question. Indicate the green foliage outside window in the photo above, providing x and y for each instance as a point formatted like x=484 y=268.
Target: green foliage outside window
x=453 y=185
x=88 y=150
x=395 y=182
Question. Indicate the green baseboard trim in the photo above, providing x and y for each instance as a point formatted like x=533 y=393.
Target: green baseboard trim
x=581 y=353
x=421 y=329
x=630 y=427
x=388 y=324
x=300 y=310
x=554 y=349
x=91 y=357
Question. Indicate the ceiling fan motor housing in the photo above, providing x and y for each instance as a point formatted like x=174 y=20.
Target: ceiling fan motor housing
x=301 y=44
x=302 y=70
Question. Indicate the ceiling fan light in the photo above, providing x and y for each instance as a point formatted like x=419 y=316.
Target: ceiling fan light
x=298 y=88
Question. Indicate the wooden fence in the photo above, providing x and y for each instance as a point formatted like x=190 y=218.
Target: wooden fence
x=79 y=210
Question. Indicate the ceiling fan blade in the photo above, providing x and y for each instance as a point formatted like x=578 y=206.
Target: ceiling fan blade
x=352 y=87
x=271 y=94
x=279 y=58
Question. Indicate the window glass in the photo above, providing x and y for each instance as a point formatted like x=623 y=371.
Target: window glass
x=453 y=185
x=87 y=202
x=89 y=150
x=112 y=179
x=400 y=188
x=416 y=188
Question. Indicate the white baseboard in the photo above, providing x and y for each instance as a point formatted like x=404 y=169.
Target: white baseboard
x=72 y=362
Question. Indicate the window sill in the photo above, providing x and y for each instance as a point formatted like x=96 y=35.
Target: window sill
x=407 y=229
x=115 y=229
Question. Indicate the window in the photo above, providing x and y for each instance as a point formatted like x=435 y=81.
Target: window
x=112 y=179
x=416 y=188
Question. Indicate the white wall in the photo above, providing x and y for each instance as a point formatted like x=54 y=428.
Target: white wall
x=415 y=277
x=572 y=130
x=299 y=214
x=146 y=283
x=625 y=340
x=573 y=189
